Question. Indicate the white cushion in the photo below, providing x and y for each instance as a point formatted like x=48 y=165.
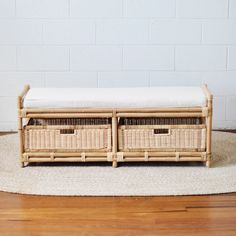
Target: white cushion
x=115 y=97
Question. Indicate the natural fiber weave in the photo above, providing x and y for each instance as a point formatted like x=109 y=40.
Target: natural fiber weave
x=68 y=134
x=176 y=138
x=86 y=139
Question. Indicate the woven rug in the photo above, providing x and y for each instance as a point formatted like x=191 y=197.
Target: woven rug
x=129 y=179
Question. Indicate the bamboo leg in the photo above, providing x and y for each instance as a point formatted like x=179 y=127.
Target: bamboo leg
x=208 y=123
x=208 y=163
x=20 y=126
x=114 y=139
x=20 y=130
x=114 y=164
x=209 y=133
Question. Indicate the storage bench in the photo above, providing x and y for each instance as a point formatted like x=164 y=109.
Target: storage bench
x=115 y=125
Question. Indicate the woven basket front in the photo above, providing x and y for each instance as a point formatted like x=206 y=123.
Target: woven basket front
x=82 y=139
x=68 y=134
x=143 y=138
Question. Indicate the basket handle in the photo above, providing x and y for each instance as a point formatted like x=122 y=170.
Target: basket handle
x=67 y=131
x=161 y=131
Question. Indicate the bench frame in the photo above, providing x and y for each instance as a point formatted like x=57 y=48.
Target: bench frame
x=115 y=156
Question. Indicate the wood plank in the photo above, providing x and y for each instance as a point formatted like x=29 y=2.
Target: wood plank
x=183 y=215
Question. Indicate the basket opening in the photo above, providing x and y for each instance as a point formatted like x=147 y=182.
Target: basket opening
x=161 y=131
x=69 y=121
x=67 y=131
x=162 y=121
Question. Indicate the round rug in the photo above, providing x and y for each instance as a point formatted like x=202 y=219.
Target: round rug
x=129 y=179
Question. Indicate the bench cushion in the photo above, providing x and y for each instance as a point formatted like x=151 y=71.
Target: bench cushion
x=115 y=97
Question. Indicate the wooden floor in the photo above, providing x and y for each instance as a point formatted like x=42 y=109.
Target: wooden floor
x=183 y=215
x=190 y=215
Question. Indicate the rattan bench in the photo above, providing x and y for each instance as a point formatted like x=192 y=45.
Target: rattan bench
x=83 y=128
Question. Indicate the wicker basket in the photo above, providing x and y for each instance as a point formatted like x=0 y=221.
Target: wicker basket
x=68 y=134
x=156 y=134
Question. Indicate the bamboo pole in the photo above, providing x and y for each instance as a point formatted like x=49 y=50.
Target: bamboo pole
x=95 y=159
x=114 y=139
x=68 y=110
x=77 y=158
x=209 y=132
x=20 y=126
x=66 y=154
x=180 y=114
x=62 y=159
x=162 y=150
x=20 y=132
x=207 y=92
x=209 y=97
x=24 y=92
x=128 y=154
x=68 y=115
x=106 y=115
x=107 y=110
x=136 y=159
x=163 y=154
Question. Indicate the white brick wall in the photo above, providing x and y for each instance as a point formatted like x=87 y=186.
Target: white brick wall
x=7 y=59
x=123 y=79
x=96 y=8
x=42 y=58
x=149 y=8
x=20 y=32
x=219 y=32
x=232 y=58
x=200 y=58
x=176 y=32
x=42 y=8
x=69 y=32
x=202 y=8
x=118 y=43
x=122 y=32
x=94 y=58
x=148 y=58
x=232 y=8
x=7 y=8
x=72 y=79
